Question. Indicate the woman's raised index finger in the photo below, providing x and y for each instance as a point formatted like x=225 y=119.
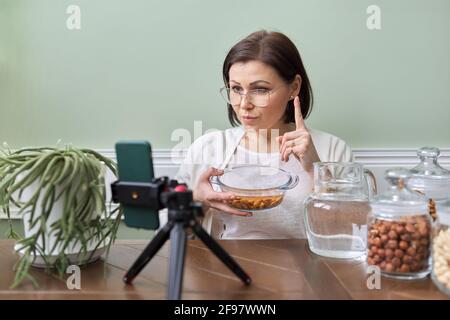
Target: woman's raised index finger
x=299 y=122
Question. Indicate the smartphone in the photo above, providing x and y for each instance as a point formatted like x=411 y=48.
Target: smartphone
x=135 y=164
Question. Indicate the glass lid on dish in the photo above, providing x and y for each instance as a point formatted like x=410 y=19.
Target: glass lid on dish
x=257 y=177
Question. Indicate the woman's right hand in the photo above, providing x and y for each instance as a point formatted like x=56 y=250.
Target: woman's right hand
x=205 y=193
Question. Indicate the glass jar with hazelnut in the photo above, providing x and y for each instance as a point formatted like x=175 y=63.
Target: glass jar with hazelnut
x=399 y=230
x=441 y=247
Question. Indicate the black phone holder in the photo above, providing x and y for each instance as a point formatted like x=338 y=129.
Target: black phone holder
x=183 y=213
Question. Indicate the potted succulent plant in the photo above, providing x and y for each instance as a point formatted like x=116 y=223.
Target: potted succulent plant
x=61 y=194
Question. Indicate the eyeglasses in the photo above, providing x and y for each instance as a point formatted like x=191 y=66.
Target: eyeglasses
x=257 y=97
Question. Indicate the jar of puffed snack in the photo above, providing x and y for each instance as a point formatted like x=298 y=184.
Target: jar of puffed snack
x=441 y=247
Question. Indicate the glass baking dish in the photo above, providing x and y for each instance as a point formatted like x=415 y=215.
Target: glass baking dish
x=257 y=187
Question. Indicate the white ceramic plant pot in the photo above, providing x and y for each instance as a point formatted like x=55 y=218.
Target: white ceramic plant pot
x=73 y=251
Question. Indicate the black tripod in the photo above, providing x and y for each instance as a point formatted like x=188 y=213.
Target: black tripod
x=182 y=214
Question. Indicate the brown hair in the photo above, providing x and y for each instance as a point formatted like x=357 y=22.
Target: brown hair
x=276 y=50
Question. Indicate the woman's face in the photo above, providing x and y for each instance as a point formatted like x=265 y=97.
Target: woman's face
x=251 y=75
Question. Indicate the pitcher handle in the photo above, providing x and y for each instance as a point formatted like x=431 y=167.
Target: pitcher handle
x=371 y=183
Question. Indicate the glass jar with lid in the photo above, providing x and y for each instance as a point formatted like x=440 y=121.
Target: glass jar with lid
x=441 y=247
x=399 y=230
x=429 y=178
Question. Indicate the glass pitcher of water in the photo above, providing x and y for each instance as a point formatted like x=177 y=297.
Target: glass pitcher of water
x=336 y=213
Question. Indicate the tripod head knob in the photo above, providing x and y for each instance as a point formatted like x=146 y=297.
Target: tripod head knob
x=180 y=188
x=179 y=198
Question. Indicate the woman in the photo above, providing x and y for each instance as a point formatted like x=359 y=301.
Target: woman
x=269 y=96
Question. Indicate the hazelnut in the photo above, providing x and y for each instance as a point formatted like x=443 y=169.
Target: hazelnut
x=407 y=259
x=376 y=241
x=381 y=253
x=389 y=267
x=424 y=233
x=414 y=266
x=398 y=253
x=392 y=244
x=411 y=251
x=400 y=229
x=392 y=235
x=376 y=259
x=396 y=262
x=417 y=257
x=422 y=226
x=405 y=237
x=404 y=268
x=384 y=238
x=416 y=235
x=410 y=228
x=389 y=253
x=403 y=245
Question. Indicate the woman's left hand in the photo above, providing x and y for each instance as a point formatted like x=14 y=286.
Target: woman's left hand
x=299 y=142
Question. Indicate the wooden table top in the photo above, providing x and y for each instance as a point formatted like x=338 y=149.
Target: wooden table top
x=280 y=269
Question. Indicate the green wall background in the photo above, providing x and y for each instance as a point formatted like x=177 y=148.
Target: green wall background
x=140 y=69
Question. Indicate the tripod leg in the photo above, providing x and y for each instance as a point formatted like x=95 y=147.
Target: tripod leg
x=148 y=253
x=221 y=253
x=176 y=262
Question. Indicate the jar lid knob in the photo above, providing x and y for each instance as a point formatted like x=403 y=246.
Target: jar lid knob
x=428 y=152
